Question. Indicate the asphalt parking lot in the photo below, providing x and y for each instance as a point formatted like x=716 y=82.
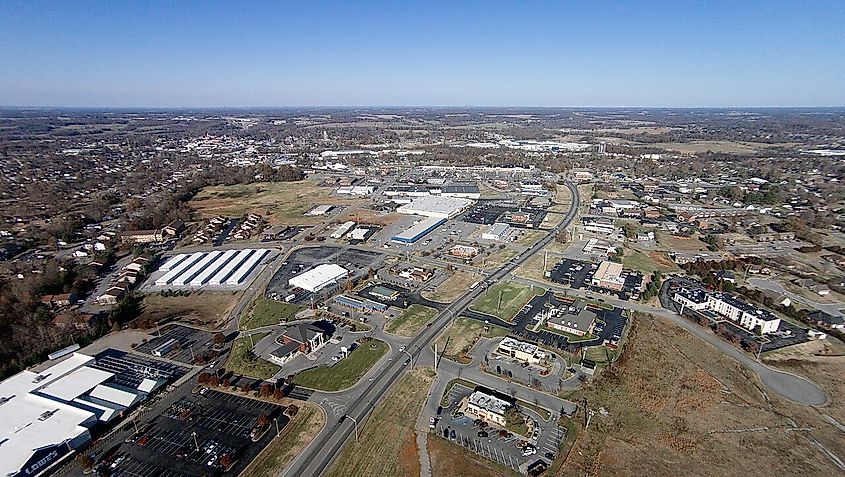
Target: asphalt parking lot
x=192 y=434
x=493 y=447
x=192 y=342
x=572 y=273
x=401 y=300
x=486 y=213
x=131 y=369
x=576 y=274
x=612 y=324
x=304 y=259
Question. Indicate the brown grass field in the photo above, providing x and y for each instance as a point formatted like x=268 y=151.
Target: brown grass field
x=279 y=202
x=452 y=287
x=677 y=406
x=204 y=309
x=387 y=445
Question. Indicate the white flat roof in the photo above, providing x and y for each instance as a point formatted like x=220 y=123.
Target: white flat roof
x=76 y=383
x=435 y=206
x=318 y=277
x=29 y=421
x=117 y=396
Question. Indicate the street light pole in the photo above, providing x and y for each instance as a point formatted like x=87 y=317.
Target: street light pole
x=356 y=426
x=276 y=420
x=196 y=444
x=409 y=356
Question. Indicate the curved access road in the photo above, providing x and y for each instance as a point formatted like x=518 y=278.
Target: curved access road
x=771 y=285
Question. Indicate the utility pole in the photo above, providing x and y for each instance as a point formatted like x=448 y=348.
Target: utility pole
x=586 y=412
x=251 y=341
x=435 y=356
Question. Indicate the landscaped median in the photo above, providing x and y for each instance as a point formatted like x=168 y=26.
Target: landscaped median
x=410 y=321
x=504 y=299
x=346 y=372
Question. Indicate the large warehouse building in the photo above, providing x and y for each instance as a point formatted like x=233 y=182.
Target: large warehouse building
x=418 y=230
x=319 y=277
x=436 y=206
x=46 y=416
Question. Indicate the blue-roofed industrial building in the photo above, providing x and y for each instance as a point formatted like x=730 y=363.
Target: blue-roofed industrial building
x=418 y=230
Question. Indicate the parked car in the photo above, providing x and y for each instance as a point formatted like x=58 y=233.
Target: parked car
x=482 y=433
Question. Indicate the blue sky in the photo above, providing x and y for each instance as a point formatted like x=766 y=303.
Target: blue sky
x=566 y=53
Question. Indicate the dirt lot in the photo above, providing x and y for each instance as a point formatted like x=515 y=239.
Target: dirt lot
x=676 y=406
x=204 y=309
x=279 y=202
x=301 y=430
x=451 y=460
x=387 y=445
x=452 y=287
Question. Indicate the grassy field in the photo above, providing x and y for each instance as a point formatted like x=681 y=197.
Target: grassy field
x=599 y=354
x=452 y=287
x=530 y=237
x=551 y=220
x=387 y=445
x=462 y=336
x=300 y=431
x=345 y=372
x=264 y=312
x=412 y=320
x=452 y=460
x=533 y=267
x=279 y=202
x=729 y=147
x=678 y=243
x=242 y=361
x=513 y=297
x=674 y=402
x=648 y=263
x=205 y=308
x=498 y=258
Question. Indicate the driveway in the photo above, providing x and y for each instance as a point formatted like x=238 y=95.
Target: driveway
x=766 y=284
